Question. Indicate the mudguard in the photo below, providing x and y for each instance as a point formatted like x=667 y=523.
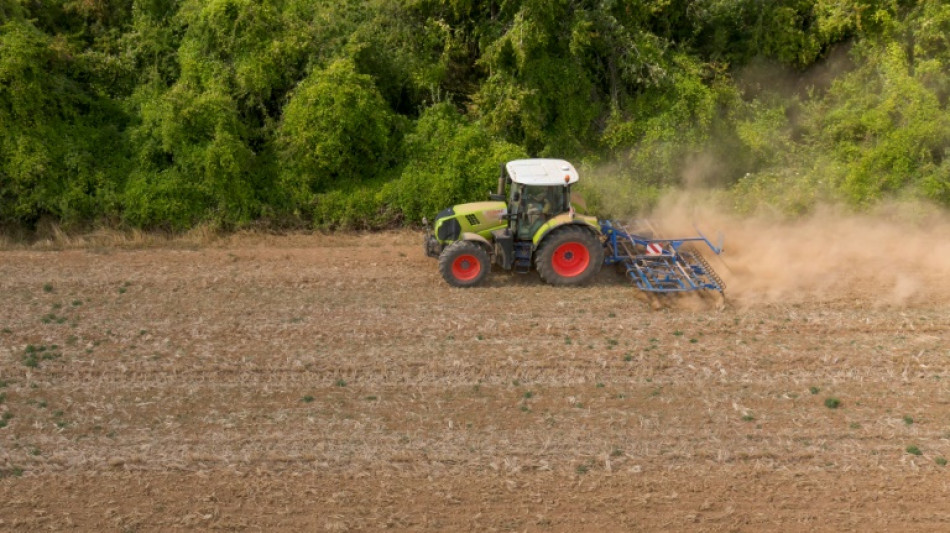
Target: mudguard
x=565 y=219
x=474 y=237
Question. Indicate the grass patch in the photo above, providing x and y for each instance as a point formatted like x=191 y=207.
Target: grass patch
x=814 y=390
x=832 y=403
x=908 y=420
x=11 y=472
x=51 y=318
x=941 y=461
x=913 y=450
x=33 y=355
x=307 y=399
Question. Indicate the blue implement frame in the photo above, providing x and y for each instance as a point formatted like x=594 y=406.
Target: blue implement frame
x=660 y=265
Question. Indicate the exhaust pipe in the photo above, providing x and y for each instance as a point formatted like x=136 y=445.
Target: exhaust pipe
x=501 y=181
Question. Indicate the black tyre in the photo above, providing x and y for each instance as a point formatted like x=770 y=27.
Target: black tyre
x=570 y=255
x=464 y=264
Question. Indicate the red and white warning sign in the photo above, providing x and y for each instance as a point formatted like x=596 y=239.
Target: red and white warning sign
x=654 y=248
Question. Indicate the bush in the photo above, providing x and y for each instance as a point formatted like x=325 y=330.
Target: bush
x=194 y=163
x=336 y=132
x=61 y=152
x=448 y=160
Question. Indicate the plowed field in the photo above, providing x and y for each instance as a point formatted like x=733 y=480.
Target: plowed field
x=335 y=382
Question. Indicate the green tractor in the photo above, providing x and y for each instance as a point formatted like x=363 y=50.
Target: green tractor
x=534 y=225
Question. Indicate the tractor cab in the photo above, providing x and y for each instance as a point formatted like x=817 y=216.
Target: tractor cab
x=540 y=190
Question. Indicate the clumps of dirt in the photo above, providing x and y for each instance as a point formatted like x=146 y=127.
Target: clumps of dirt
x=896 y=255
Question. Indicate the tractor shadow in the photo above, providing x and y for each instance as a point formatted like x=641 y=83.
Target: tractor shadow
x=499 y=277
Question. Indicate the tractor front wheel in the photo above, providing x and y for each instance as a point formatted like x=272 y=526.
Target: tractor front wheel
x=569 y=256
x=464 y=264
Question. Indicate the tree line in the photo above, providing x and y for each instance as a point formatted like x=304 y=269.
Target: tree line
x=371 y=113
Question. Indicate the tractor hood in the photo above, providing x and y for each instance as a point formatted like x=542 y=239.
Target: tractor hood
x=475 y=217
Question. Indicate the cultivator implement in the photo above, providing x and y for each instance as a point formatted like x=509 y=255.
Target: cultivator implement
x=660 y=265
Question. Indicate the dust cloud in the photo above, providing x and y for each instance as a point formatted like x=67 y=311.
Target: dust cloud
x=898 y=255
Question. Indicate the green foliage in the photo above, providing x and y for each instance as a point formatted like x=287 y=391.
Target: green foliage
x=352 y=206
x=194 y=161
x=795 y=32
x=669 y=136
x=887 y=129
x=365 y=113
x=449 y=160
x=60 y=150
x=336 y=131
x=881 y=129
x=225 y=45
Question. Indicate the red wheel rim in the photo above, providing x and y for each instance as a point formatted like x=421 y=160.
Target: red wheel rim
x=466 y=267
x=570 y=259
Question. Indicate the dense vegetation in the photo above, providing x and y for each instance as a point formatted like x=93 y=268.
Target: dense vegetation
x=164 y=113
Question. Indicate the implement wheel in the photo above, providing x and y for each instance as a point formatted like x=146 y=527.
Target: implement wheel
x=464 y=264
x=570 y=255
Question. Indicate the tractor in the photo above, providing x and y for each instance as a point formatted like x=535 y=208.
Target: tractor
x=535 y=226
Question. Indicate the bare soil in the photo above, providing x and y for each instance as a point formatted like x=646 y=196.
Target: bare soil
x=336 y=383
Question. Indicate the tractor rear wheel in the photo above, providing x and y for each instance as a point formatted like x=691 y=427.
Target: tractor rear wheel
x=464 y=264
x=569 y=256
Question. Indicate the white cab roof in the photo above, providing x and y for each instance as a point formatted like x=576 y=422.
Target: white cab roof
x=546 y=172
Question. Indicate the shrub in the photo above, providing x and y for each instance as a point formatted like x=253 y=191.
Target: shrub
x=448 y=160
x=336 y=132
